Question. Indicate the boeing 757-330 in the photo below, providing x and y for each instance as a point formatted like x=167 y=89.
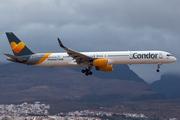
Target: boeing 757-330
x=102 y=61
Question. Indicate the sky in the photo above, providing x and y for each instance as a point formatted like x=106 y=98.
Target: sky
x=95 y=25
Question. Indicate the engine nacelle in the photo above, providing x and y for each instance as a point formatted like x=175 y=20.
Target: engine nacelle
x=105 y=68
x=100 y=62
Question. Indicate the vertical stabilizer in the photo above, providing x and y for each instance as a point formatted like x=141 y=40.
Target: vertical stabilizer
x=18 y=47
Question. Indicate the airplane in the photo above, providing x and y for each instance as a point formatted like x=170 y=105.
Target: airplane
x=102 y=61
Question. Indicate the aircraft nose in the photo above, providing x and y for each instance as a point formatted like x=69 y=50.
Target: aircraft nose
x=174 y=59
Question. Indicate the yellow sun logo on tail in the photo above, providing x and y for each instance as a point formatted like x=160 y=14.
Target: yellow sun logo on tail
x=17 y=47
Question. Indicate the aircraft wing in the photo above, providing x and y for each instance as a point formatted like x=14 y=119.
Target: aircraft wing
x=15 y=57
x=79 y=57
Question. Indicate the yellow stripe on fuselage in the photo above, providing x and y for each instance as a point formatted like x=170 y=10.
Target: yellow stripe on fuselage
x=45 y=56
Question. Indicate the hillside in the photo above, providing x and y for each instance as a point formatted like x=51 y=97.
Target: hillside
x=121 y=72
x=28 y=83
x=168 y=85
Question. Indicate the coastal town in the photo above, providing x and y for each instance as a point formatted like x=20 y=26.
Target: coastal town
x=24 y=109
x=38 y=111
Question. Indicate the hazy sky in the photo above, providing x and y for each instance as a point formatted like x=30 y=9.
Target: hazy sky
x=95 y=25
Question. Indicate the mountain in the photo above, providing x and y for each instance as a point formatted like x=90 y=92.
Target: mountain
x=121 y=72
x=20 y=83
x=1 y=64
x=168 y=85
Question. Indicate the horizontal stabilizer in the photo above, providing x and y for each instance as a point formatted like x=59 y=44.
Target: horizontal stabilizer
x=15 y=57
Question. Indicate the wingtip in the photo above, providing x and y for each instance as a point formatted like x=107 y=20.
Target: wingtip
x=60 y=43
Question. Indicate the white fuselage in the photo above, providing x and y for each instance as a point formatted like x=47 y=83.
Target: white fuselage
x=119 y=57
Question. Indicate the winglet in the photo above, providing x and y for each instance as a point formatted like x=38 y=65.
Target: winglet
x=60 y=43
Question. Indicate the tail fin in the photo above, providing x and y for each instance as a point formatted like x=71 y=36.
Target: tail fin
x=18 y=47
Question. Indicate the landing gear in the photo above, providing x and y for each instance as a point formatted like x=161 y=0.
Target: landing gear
x=158 y=67
x=87 y=72
x=83 y=71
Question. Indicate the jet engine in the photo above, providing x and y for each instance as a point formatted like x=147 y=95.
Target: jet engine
x=100 y=62
x=102 y=65
x=105 y=68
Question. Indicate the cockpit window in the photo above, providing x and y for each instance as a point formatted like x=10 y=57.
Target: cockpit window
x=168 y=54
